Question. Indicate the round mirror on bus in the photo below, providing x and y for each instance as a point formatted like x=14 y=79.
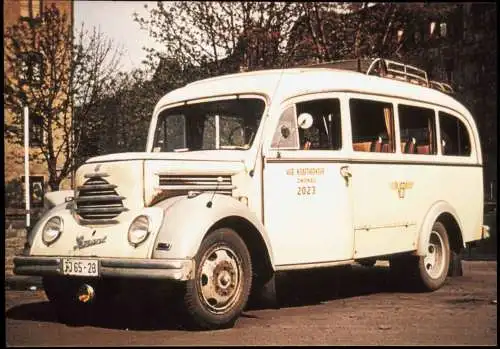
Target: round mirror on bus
x=305 y=121
x=285 y=131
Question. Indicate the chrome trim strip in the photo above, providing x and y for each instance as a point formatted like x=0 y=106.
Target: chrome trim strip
x=194 y=187
x=93 y=175
x=313 y=265
x=369 y=162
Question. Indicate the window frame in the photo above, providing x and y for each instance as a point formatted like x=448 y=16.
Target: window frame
x=30 y=8
x=468 y=128
x=27 y=61
x=152 y=131
x=395 y=122
x=292 y=102
x=422 y=106
x=38 y=141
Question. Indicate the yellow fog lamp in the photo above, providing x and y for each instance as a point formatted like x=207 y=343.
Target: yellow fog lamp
x=139 y=230
x=52 y=230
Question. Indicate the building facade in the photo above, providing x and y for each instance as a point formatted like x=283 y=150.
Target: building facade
x=15 y=12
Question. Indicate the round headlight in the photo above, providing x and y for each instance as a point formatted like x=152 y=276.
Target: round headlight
x=52 y=230
x=139 y=230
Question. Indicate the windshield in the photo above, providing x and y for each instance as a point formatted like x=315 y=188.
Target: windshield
x=221 y=124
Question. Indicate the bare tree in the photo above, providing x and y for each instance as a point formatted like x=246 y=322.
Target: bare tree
x=50 y=71
x=221 y=36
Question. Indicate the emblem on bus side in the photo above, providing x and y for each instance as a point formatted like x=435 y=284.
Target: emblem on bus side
x=401 y=187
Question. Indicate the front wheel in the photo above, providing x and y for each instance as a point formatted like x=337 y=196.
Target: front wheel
x=217 y=295
x=63 y=296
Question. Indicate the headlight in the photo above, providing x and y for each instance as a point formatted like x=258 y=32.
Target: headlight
x=52 y=230
x=139 y=230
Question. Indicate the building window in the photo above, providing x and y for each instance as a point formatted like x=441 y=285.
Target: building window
x=37 y=190
x=31 y=68
x=30 y=9
x=443 y=30
x=36 y=130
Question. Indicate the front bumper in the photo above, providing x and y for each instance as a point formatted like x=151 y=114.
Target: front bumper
x=172 y=269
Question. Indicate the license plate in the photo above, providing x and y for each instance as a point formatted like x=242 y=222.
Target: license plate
x=81 y=267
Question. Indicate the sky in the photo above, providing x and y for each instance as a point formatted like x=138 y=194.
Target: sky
x=115 y=20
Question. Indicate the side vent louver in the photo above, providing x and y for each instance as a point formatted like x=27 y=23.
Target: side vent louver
x=184 y=183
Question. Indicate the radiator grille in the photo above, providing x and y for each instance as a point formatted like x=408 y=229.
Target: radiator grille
x=97 y=200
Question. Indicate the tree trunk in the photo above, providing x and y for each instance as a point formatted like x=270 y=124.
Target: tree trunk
x=54 y=180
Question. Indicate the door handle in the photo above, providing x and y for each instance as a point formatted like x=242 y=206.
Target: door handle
x=345 y=172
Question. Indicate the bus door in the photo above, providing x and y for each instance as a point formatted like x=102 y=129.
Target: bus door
x=307 y=200
x=384 y=223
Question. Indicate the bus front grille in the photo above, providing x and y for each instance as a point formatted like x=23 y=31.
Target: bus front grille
x=97 y=200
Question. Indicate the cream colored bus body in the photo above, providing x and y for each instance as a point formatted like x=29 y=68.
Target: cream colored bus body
x=355 y=213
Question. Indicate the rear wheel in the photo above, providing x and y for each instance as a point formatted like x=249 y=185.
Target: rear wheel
x=427 y=272
x=218 y=293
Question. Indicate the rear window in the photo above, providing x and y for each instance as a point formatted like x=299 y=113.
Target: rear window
x=455 y=139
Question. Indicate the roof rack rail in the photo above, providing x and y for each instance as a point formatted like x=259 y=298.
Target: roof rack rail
x=386 y=68
x=396 y=70
x=446 y=88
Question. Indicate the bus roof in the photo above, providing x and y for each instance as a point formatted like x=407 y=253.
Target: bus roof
x=282 y=84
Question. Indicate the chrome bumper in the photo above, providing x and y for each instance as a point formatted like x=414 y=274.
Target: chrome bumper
x=173 y=269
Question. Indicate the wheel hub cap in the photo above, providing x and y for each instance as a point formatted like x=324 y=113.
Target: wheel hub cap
x=434 y=261
x=220 y=281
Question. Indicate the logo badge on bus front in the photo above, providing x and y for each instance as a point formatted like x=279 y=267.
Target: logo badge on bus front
x=81 y=243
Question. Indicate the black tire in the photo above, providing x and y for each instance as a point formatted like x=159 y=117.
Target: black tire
x=426 y=273
x=62 y=294
x=455 y=265
x=264 y=295
x=223 y=273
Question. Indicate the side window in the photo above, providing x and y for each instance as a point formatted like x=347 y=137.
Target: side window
x=417 y=129
x=455 y=139
x=324 y=133
x=372 y=126
x=285 y=136
x=317 y=123
x=170 y=133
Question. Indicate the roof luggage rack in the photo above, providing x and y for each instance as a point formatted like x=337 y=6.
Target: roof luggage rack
x=442 y=87
x=388 y=69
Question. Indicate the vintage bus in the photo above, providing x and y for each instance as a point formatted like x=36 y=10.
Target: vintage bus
x=251 y=174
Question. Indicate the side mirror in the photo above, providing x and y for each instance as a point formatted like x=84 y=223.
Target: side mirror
x=305 y=121
x=285 y=131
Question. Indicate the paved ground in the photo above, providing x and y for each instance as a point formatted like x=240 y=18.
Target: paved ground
x=360 y=306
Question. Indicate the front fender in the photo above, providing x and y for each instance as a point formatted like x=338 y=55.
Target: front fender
x=434 y=212
x=187 y=220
